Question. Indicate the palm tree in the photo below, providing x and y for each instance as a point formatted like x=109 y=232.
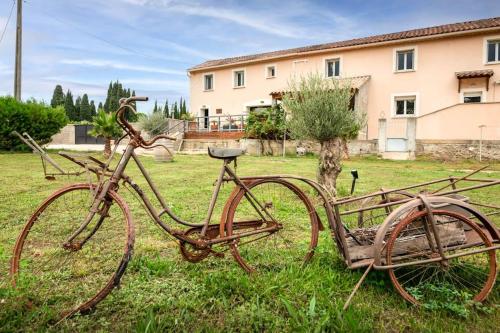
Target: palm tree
x=105 y=126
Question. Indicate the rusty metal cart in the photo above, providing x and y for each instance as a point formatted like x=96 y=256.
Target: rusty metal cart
x=427 y=241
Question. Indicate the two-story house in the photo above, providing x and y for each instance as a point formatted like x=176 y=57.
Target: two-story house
x=446 y=78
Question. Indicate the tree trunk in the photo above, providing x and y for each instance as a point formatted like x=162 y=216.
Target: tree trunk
x=107 y=147
x=329 y=166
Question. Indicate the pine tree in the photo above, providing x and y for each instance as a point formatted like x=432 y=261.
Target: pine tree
x=57 y=97
x=78 y=103
x=69 y=107
x=85 y=113
x=92 y=109
x=165 y=110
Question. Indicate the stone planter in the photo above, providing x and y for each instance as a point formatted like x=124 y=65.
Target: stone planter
x=161 y=154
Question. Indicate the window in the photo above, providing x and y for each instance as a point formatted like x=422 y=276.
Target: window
x=332 y=67
x=405 y=105
x=270 y=72
x=405 y=60
x=493 y=51
x=239 y=79
x=473 y=97
x=208 y=82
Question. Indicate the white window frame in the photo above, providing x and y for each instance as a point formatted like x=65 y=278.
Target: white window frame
x=203 y=82
x=485 y=49
x=325 y=66
x=395 y=58
x=400 y=95
x=266 y=68
x=472 y=90
x=233 y=73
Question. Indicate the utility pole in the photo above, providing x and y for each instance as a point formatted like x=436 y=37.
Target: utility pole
x=19 y=44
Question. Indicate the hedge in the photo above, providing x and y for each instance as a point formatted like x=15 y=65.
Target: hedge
x=40 y=121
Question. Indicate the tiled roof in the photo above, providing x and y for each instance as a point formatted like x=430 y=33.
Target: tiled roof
x=396 y=36
x=472 y=74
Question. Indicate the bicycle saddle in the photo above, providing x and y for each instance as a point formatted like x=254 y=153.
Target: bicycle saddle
x=225 y=153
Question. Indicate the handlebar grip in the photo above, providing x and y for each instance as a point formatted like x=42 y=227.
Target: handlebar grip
x=124 y=100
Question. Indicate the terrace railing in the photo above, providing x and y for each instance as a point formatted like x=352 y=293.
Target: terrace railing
x=228 y=123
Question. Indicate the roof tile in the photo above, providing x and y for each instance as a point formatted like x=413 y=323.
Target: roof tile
x=422 y=32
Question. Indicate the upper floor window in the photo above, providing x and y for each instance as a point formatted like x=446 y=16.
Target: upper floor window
x=208 y=80
x=405 y=60
x=473 y=97
x=332 y=67
x=239 y=79
x=405 y=105
x=270 y=71
x=493 y=51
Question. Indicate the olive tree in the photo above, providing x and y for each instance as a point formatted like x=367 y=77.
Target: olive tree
x=320 y=110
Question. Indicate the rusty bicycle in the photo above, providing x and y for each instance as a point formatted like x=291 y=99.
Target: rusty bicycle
x=75 y=247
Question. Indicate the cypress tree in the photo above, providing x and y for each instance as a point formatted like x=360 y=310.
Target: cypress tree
x=85 y=112
x=92 y=109
x=100 y=106
x=57 y=97
x=165 y=110
x=113 y=99
x=69 y=107
x=78 y=103
x=155 y=109
x=108 y=98
x=175 y=111
x=184 y=107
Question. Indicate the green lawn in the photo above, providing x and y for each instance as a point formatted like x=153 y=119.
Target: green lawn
x=161 y=292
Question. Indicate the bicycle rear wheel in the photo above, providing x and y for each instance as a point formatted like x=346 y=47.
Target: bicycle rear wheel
x=292 y=244
x=68 y=278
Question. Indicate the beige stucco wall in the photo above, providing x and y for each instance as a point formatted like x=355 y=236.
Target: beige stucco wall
x=433 y=81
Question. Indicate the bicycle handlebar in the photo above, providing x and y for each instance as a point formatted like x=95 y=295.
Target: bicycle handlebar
x=131 y=131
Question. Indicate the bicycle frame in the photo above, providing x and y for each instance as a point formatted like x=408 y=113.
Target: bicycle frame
x=118 y=174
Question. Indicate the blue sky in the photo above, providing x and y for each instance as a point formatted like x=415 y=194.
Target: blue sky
x=149 y=44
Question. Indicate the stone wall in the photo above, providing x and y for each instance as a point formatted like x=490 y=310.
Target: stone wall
x=66 y=136
x=452 y=150
x=271 y=147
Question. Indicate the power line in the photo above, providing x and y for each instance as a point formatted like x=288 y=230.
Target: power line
x=8 y=20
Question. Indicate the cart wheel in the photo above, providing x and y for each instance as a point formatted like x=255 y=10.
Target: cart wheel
x=373 y=217
x=468 y=276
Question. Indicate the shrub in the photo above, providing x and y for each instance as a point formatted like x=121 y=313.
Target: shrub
x=154 y=123
x=268 y=124
x=39 y=120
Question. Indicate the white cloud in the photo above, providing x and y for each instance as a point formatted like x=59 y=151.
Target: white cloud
x=282 y=24
x=117 y=65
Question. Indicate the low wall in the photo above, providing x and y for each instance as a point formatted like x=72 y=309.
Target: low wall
x=254 y=147
x=65 y=137
x=451 y=150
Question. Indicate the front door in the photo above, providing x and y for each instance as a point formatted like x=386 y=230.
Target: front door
x=204 y=113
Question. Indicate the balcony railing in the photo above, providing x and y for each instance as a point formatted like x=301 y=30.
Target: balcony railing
x=232 y=123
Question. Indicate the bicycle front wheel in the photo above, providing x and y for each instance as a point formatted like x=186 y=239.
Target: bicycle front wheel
x=65 y=278
x=291 y=244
